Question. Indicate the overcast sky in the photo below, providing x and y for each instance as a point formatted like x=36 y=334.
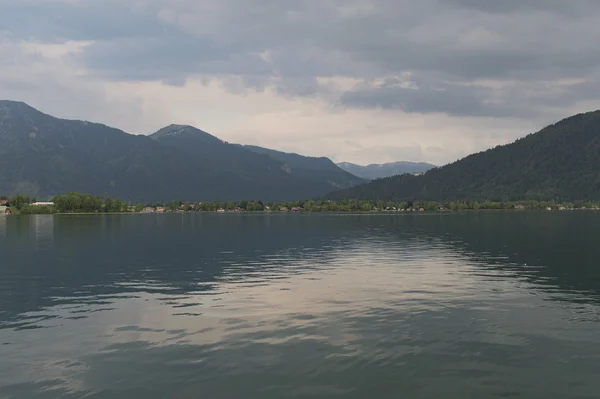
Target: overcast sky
x=355 y=80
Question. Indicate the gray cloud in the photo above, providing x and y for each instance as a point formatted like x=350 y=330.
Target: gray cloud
x=453 y=99
x=56 y=21
x=512 y=6
x=520 y=45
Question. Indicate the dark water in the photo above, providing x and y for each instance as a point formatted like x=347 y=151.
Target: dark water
x=476 y=305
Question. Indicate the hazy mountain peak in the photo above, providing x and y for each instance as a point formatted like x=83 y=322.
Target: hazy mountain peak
x=4 y=104
x=187 y=131
x=17 y=113
x=13 y=104
x=378 y=171
x=16 y=108
x=175 y=129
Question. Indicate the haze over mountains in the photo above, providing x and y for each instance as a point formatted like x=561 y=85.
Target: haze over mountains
x=42 y=156
x=379 y=171
x=560 y=162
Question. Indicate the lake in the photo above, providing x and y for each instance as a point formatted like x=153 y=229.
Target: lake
x=472 y=305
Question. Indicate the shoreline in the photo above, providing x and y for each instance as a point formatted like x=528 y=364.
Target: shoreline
x=308 y=212
x=86 y=204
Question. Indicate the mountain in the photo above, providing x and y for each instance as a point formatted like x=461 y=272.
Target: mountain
x=42 y=156
x=379 y=171
x=218 y=156
x=562 y=161
x=259 y=170
x=311 y=167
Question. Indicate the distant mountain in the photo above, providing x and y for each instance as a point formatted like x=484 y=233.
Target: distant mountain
x=379 y=171
x=561 y=162
x=43 y=156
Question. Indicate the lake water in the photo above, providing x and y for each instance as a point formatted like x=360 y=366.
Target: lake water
x=473 y=305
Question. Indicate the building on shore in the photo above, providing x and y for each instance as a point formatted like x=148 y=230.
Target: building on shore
x=43 y=204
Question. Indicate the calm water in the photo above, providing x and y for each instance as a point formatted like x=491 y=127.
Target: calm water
x=475 y=305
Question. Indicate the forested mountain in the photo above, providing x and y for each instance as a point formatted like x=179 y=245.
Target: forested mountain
x=311 y=166
x=41 y=155
x=217 y=155
x=562 y=161
x=379 y=171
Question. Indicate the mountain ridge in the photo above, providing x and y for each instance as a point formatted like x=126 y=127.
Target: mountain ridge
x=559 y=162
x=310 y=167
x=42 y=155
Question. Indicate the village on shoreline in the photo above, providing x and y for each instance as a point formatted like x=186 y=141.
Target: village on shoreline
x=88 y=204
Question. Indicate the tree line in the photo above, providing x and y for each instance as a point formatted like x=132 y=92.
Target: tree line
x=87 y=203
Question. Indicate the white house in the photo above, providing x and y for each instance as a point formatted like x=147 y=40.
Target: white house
x=43 y=204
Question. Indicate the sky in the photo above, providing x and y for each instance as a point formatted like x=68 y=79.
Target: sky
x=364 y=81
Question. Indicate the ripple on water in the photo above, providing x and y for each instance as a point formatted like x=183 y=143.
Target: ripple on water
x=311 y=306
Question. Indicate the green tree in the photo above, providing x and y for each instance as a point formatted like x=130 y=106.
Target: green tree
x=117 y=205
x=87 y=204
x=19 y=201
x=173 y=205
x=431 y=206
x=108 y=205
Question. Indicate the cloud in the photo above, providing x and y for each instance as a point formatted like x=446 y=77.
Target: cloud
x=410 y=96
x=515 y=6
x=77 y=20
x=45 y=76
x=528 y=62
x=456 y=39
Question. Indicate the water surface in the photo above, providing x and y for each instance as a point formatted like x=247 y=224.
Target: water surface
x=466 y=305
